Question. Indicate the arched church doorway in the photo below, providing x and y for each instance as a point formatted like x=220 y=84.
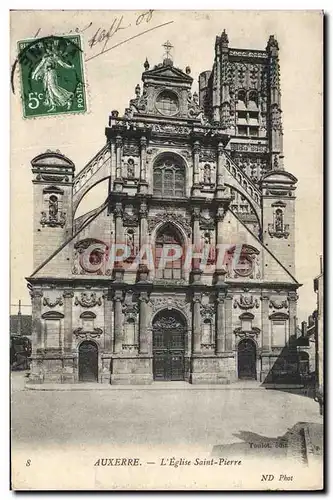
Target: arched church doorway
x=88 y=362
x=169 y=328
x=247 y=354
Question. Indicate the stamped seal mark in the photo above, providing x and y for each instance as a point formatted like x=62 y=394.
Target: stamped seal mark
x=52 y=76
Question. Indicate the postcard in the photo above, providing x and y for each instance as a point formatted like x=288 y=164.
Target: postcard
x=166 y=327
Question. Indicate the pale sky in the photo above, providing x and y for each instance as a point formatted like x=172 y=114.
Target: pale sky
x=111 y=78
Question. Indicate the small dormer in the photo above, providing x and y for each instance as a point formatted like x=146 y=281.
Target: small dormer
x=166 y=92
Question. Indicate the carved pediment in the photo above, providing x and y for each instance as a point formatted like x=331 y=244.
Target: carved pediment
x=52 y=159
x=167 y=72
x=52 y=315
x=88 y=315
x=279 y=316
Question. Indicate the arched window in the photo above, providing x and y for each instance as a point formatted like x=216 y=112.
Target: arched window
x=169 y=177
x=241 y=105
x=253 y=101
x=168 y=254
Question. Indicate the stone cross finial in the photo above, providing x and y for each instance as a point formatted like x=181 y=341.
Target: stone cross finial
x=167 y=45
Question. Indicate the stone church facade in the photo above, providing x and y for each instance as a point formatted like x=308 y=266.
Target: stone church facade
x=200 y=173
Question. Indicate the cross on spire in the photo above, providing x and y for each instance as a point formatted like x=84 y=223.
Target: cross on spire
x=167 y=45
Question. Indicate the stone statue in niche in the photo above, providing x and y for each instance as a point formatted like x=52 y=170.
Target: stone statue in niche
x=53 y=217
x=53 y=207
x=130 y=245
x=130 y=241
x=279 y=221
x=208 y=251
x=130 y=168
x=207 y=176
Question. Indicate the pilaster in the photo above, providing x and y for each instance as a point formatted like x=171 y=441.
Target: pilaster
x=118 y=182
x=292 y=299
x=220 y=322
x=265 y=334
x=196 y=188
x=118 y=321
x=196 y=323
x=144 y=344
x=68 y=333
x=36 y=295
x=108 y=332
x=228 y=323
x=196 y=242
x=143 y=161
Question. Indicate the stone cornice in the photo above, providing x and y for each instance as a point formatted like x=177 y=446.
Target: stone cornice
x=104 y=282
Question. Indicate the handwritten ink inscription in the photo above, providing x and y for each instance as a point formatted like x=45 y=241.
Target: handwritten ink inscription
x=99 y=37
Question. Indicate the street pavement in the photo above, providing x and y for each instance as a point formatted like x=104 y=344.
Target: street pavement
x=199 y=417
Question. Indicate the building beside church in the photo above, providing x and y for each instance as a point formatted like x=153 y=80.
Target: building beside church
x=201 y=173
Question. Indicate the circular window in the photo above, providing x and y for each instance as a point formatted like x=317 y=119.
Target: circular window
x=167 y=103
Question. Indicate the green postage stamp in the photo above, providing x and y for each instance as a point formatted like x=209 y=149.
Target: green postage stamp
x=52 y=76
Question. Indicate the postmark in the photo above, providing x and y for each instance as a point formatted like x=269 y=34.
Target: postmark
x=52 y=76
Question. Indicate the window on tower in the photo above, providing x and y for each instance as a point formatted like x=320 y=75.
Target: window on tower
x=247 y=113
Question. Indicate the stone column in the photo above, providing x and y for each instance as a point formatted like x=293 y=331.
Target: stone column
x=196 y=191
x=220 y=187
x=143 y=269
x=292 y=299
x=143 y=320
x=119 y=240
x=228 y=324
x=265 y=334
x=143 y=159
x=143 y=212
x=196 y=237
x=196 y=323
x=143 y=188
x=108 y=333
x=118 y=214
x=118 y=182
x=36 y=299
x=68 y=333
x=119 y=144
x=113 y=160
x=220 y=250
x=220 y=166
x=118 y=321
x=220 y=322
